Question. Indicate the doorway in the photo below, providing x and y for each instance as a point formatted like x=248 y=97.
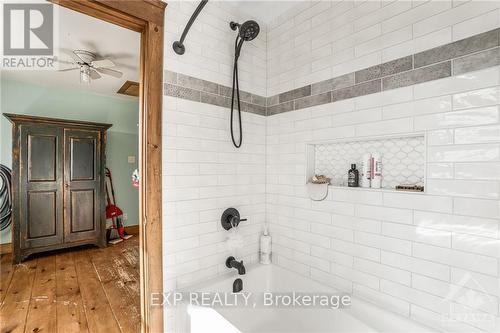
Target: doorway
x=146 y=18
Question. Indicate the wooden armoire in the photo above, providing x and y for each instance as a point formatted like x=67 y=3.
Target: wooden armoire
x=58 y=184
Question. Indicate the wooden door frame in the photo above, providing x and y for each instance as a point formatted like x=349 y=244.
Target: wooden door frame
x=147 y=18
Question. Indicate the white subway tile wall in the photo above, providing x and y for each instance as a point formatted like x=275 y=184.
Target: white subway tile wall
x=318 y=40
x=433 y=257
x=425 y=256
x=203 y=174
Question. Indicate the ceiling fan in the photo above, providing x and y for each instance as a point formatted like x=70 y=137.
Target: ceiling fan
x=90 y=68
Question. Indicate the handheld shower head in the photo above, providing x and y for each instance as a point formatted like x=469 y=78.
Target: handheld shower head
x=246 y=31
x=249 y=30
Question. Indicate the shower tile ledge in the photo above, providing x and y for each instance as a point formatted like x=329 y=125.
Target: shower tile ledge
x=382 y=190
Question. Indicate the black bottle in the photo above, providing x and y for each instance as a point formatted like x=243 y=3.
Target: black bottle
x=353 y=176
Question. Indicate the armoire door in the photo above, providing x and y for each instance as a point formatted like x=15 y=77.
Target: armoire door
x=82 y=219
x=41 y=186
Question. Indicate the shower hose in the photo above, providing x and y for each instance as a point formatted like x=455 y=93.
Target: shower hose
x=5 y=196
x=236 y=87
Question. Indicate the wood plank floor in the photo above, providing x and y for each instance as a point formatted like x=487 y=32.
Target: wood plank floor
x=81 y=290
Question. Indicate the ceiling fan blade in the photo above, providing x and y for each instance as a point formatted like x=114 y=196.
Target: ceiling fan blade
x=94 y=75
x=68 y=69
x=110 y=72
x=103 y=63
x=60 y=61
x=76 y=57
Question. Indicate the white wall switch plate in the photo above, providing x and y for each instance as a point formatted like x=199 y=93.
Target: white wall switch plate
x=131 y=159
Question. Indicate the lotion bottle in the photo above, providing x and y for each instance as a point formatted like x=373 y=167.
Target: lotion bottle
x=366 y=170
x=376 y=171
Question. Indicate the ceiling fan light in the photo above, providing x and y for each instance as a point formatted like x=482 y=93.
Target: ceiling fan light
x=84 y=74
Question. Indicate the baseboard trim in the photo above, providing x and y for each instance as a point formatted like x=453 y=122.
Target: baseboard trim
x=6 y=248
x=132 y=229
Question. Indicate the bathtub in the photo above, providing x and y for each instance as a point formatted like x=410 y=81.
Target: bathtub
x=361 y=316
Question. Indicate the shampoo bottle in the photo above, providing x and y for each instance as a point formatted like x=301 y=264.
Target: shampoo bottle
x=353 y=176
x=265 y=247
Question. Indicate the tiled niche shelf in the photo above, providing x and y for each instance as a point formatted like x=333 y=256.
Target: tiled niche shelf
x=403 y=159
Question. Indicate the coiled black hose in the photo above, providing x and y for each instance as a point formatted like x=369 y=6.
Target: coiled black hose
x=236 y=87
x=5 y=197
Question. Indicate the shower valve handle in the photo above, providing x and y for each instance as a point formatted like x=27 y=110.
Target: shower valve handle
x=235 y=220
x=231 y=218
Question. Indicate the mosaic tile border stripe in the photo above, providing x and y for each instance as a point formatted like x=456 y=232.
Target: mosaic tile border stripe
x=198 y=90
x=474 y=53
x=469 y=54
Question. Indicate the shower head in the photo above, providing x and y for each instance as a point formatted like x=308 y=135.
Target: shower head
x=247 y=31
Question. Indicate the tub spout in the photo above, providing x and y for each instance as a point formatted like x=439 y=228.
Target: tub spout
x=237 y=286
x=232 y=263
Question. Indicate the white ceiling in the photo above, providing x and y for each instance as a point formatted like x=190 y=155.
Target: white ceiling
x=79 y=31
x=266 y=10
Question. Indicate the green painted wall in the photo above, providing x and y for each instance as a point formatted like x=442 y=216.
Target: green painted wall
x=24 y=98
x=119 y=147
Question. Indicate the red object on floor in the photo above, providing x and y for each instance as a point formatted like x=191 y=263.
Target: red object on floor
x=113 y=211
